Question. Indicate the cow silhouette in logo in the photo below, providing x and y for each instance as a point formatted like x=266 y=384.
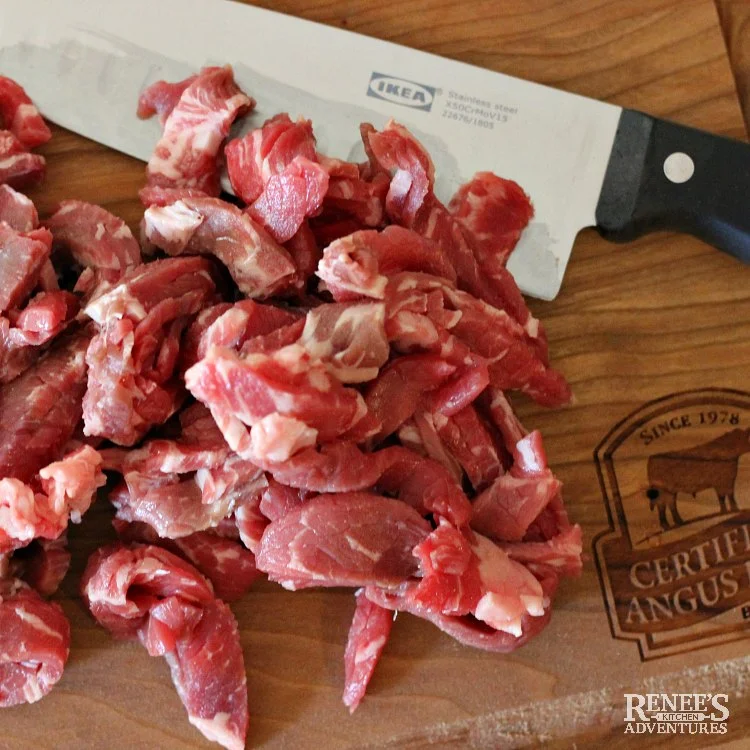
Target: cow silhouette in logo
x=711 y=465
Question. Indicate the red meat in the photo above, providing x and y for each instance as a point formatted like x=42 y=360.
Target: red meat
x=18 y=114
x=36 y=643
x=17 y=210
x=347 y=539
x=94 y=237
x=22 y=257
x=257 y=263
x=149 y=593
x=195 y=128
x=368 y=634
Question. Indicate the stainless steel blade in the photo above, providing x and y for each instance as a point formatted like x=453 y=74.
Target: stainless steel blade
x=85 y=63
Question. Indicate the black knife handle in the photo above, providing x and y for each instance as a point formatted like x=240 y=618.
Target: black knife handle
x=642 y=191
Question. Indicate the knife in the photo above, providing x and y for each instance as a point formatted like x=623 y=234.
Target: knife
x=583 y=162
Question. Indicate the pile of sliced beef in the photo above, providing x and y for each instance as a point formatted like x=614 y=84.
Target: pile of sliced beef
x=306 y=381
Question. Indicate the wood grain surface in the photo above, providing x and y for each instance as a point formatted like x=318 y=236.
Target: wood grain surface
x=633 y=323
x=735 y=22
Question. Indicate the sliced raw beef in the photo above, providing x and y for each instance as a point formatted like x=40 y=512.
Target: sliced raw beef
x=493 y=213
x=468 y=440
x=232 y=326
x=349 y=339
x=194 y=130
x=562 y=552
x=18 y=114
x=22 y=257
x=172 y=505
x=506 y=509
x=305 y=253
x=290 y=197
x=225 y=562
x=160 y=98
x=94 y=237
x=257 y=263
x=149 y=593
x=40 y=409
x=260 y=154
x=68 y=488
x=36 y=643
x=19 y=168
x=25 y=332
x=200 y=445
x=420 y=435
x=347 y=539
x=368 y=635
x=43 y=564
x=462 y=575
x=132 y=360
x=423 y=309
x=353 y=193
x=288 y=382
x=412 y=203
x=467 y=629
x=154 y=195
x=278 y=499
x=17 y=210
x=357 y=265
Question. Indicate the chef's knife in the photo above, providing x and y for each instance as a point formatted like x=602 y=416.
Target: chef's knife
x=584 y=162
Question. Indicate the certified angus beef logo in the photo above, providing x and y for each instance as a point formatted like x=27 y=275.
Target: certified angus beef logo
x=675 y=563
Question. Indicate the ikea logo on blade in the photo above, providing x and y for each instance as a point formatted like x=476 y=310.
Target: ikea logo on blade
x=400 y=91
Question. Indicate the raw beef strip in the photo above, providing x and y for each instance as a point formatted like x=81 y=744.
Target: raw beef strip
x=400 y=387
x=506 y=509
x=94 y=237
x=19 y=168
x=493 y=212
x=22 y=335
x=231 y=326
x=153 y=195
x=412 y=203
x=305 y=253
x=225 y=562
x=290 y=197
x=278 y=499
x=22 y=257
x=132 y=360
x=467 y=438
x=257 y=263
x=68 y=488
x=463 y=576
x=43 y=564
x=368 y=635
x=36 y=643
x=18 y=114
x=349 y=339
x=262 y=153
x=147 y=592
x=171 y=505
x=467 y=629
x=358 y=264
x=489 y=332
x=347 y=539
x=353 y=193
x=561 y=552
x=200 y=445
x=17 y=210
x=288 y=382
x=186 y=154
x=160 y=98
x=420 y=435
x=40 y=409
x=350 y=269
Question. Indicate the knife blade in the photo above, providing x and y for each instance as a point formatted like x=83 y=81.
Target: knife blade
x=584 y=162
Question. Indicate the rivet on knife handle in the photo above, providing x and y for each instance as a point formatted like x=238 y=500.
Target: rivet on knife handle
x=664 y=176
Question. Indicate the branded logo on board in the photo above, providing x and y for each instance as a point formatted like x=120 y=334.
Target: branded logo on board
x=401 y=91
x=674 y=564
x=676 y=713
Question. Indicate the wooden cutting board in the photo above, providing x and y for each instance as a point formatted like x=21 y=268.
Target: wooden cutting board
x=632 y=325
